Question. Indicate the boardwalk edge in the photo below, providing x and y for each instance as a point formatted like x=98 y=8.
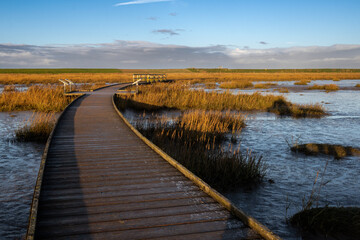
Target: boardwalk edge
x=248 y=220
x=30 y=234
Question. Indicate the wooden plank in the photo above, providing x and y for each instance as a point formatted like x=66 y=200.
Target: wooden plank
x=119 y=207
x=165 y=231
x=122 y=199
x=119 y=224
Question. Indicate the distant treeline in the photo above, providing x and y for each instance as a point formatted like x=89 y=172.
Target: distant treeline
x=227 y=70
x=60 y=70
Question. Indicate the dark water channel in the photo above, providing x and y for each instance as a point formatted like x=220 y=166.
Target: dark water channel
x=19 y=164
x=293 y=174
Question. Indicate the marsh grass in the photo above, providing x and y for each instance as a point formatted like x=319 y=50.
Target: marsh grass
x=37 y=128
x=357 y=85
x=282 y=90
x=38 y=98
x=326 y=87
x=195 y=141
x=236 y=85
x=337 y=151
x=284 y=108
x=302 y=82
x=27 y=76
x=264 y=85
x=176 y=96
x=336 y=222
x=10 y=88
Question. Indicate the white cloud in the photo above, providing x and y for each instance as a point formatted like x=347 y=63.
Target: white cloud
x=141 y=54
x=140 y=2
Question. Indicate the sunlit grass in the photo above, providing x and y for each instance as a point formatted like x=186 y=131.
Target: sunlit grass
x=37 y=128
x=337 y=151
x=195 y=141
x=236 y=85
x=326 y=87
x=8 y=76
x=162 y=95
x=302 y=82
x=42 y=99
x=264 y=85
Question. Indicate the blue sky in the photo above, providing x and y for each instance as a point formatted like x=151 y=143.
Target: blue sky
x=233 y=24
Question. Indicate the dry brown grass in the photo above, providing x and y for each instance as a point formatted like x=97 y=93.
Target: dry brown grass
x=357 y=85
x=236 y=84
x=43 y=99
x=326 y=87
x=264 y=85
x=37 y=128
x=337 y=151
x=163 y=95
x=211 y=121
x=195 y=141
x=282 y=90
x=126 y=76
x=75 y=77
x=302 y=82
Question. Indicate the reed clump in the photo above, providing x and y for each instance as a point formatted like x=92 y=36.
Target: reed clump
x=10 y=88
x=337 y=151
x=284 y=108
x=282 y=90
x=195 y=141
x=332 y=222
x=37 y=128
x=38 y=98
x=264 y=85
x=302 y=82
x=176 y=96
x=236 y=85
x=326 y=87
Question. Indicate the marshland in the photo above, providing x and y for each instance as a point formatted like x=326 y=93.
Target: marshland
x=232 y=120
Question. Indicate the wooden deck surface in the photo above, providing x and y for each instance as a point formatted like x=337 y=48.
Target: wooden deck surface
x=102 y=182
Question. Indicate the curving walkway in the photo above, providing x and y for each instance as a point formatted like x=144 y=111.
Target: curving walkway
x=102 y=182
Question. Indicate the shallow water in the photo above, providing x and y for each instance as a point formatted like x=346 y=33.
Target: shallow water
x=19 y=164
x=294 y=174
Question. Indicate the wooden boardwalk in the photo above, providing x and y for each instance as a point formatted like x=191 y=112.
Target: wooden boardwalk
x=102 y=182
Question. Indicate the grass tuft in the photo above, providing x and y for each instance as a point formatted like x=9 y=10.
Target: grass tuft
x=236 y=85
x=37 y=128
x=337 y=151
x=195 y=141
x=264 y=85
x=326 y=87
x=339 y=223
x=302 y=82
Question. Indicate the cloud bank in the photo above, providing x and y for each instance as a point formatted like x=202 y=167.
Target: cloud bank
x=138 y=54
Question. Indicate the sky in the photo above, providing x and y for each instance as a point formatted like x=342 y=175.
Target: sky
x=180 y=33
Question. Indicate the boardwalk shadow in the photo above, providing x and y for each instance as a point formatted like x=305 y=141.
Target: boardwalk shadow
x=62 y=209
